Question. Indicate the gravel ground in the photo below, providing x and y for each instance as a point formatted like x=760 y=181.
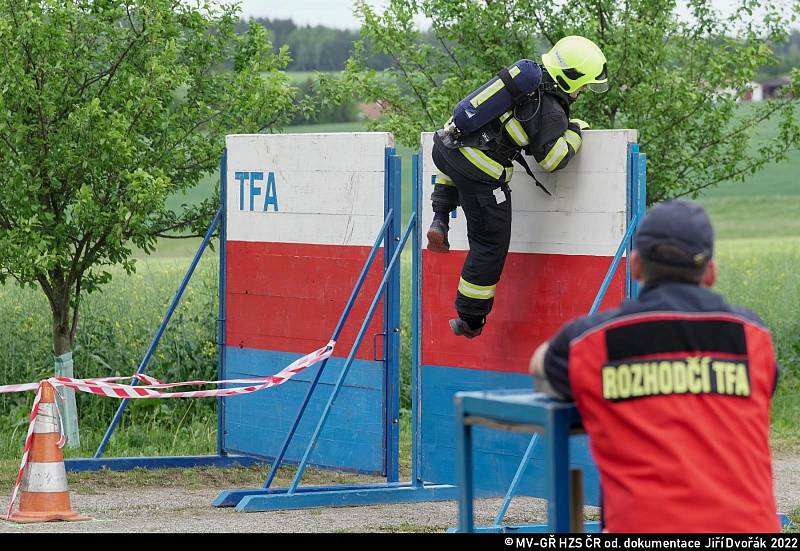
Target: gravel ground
x=164 y=510
x=124 y=508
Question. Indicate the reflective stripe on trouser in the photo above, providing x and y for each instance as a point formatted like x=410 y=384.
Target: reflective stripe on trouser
x=443 y=179
x=489 y=234
x=471 y=290
x=445 y=196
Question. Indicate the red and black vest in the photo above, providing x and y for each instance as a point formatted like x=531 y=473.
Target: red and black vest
x=676 y=405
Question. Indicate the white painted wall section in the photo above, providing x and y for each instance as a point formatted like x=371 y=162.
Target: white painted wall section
x=328 y=188
x=586 y=214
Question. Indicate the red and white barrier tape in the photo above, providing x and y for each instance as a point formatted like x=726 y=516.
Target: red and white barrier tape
x=108 y=386
x=7 y=389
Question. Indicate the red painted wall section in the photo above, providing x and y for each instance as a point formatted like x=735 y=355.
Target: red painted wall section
x=537 y=294
x=288 y=297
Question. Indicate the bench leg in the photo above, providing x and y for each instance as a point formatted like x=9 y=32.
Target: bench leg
x=465 y=495
x=556 y=438
x=576 y=501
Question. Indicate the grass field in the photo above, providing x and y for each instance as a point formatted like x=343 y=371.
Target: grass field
x=116 y=328
x=776 y=179
x=766 y=205
x=298 y=77
x=762 y=274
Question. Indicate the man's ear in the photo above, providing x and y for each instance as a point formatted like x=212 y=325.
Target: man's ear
x=636 y=266
x=710 y=275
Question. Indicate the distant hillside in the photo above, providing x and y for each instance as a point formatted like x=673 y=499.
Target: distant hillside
x=317 y=48
x=322 y=48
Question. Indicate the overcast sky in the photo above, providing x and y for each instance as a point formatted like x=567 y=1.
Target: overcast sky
x=339 y=13
x=331 y=13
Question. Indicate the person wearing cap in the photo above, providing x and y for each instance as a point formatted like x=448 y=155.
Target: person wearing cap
x=674 y=389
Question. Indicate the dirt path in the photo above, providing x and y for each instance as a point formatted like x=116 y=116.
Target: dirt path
x=133 y=504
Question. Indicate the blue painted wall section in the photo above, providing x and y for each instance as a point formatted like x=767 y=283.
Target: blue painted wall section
x=497 y=453
x=257 y=424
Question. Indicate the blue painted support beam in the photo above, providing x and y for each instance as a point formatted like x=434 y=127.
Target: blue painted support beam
x=337 y=330
x=416 y=321
x=151 y=350
x=172 y=462
x=230 y=498
x=349 y=361
x=223 y=284
x=512 y=490
x=347 y=498
x=391 y=320
x=464 y=465
x=614 y=264
x=556 y=445
x=637 y=187
x=641 y=199
x=631 y=196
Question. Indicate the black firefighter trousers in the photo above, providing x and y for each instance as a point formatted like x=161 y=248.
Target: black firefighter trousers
x=487 y=208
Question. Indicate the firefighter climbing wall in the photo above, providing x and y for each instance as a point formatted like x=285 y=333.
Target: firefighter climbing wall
x=561 y=247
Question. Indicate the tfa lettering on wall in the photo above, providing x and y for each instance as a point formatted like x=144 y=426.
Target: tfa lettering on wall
x=255 y=192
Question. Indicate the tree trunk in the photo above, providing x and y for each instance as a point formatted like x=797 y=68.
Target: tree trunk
x=62 y=339
x=62 y=349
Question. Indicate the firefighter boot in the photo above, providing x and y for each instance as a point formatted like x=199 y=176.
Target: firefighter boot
x=462 y=328
x=437 y=236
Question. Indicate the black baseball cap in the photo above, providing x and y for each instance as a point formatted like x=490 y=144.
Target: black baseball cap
x=677 y=233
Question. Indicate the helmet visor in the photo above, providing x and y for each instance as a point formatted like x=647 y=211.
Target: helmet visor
x=600 y=83
x=598 y=87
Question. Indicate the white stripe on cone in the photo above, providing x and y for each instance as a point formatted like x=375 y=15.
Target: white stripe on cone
x=45 y=477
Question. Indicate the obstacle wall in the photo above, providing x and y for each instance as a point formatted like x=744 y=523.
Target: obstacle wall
x=561 y=248
x=301 y=214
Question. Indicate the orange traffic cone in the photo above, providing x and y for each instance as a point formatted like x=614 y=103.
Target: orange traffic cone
x=44 y=495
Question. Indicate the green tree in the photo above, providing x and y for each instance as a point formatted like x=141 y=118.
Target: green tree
x=107 y=108
x=676 y=76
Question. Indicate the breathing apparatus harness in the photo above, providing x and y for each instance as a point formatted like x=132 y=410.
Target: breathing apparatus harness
x=490 y=136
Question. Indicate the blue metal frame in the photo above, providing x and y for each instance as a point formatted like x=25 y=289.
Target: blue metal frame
x=223 y=280
x=637 y=203
x=393 y=199
x=636 y=196
x=160 y=332
x=416 y=322
x=161 y=462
